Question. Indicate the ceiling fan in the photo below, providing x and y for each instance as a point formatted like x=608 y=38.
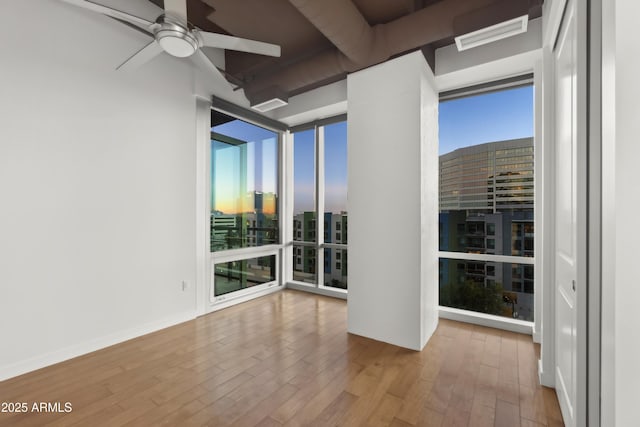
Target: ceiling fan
x=173 y=34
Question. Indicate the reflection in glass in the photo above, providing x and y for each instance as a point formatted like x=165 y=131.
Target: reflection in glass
x=236 y=275
x=486 y=201
x=335 y=183
x=305 y=214
x=497 y=288
x=335 y=268
x=244 y=184
x=482 y=209
x=304 y=186
x=304 y=264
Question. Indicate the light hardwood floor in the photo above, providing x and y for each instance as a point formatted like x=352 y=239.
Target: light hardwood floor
x=286 y=359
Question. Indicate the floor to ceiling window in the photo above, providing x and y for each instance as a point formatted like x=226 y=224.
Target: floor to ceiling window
x=319 y=217
x=336 y=230
x=487 y=205
x=304 y=206
x=244 y=204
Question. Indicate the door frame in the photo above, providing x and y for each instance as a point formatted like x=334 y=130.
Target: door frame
x=587 y=372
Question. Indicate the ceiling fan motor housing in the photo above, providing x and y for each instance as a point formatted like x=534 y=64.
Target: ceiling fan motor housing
x=175 y=38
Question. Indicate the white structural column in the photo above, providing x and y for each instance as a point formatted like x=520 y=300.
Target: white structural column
x=620 y=205
x=393 y=202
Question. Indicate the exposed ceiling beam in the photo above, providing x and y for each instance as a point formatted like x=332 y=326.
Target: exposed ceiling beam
x=197 y=13
x=359 y=46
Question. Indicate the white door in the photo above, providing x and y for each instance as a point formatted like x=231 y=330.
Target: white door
x=568 y=203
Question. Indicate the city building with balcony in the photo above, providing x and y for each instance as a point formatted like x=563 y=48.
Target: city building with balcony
x=487 y=207
x=109 y=247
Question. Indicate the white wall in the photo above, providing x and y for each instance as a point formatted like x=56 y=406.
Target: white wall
x=621 y=204
x=97 y=186
x=393 y=161
x=449 y=59
x=325 y=101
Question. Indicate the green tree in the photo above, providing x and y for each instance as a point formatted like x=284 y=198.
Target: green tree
x=473 y=296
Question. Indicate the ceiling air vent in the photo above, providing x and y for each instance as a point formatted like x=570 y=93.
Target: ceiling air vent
x=269 y=105
x=269 y=99
x=493 y=33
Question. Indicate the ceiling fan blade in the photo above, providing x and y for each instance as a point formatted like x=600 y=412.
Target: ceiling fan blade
x=177 y=8
x=237 y=43
x=141 y=57
x=204 y=63
x=134 y=27
x=114 y=13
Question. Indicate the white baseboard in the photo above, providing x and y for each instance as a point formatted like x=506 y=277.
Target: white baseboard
x=337 y=293
x=488 y=320
x=566 y=408
x=38 y=362
x=546 y=379
x=244 y=298
x=537 y=336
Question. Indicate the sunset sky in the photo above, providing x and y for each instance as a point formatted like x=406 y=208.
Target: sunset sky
x=261 y=151
x=462 y=122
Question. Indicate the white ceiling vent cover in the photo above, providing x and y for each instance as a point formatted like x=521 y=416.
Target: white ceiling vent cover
x=269 y=105
x=493 y=33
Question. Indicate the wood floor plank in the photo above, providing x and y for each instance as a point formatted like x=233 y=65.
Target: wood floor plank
x=386 y=411
x=396 y=422
x=430 y=418
x=481 y=415
x=552 y=406
x=335 y=410
x=176 y=409
x=507 y=414
x=532 y=404
x=255 y=415
x=287 y=359
x=268 y=422
x=414 y=401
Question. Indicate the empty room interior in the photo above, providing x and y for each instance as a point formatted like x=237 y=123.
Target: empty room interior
x=297 y=212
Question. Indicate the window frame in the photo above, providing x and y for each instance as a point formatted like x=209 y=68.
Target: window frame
x=213 y=302
x=320 y=244
x=494 y=85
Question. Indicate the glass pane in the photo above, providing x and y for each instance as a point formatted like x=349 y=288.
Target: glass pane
x=478 y=200
x=496 y=288
x=244 y=184
x=304 y=186
x=304 y=264
x=235 y=275
x=486 y=173
x=335 y=185
x=335 y=268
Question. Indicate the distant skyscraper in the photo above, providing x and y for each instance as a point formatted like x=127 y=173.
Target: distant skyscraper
x=488 y=177
x=487 y=207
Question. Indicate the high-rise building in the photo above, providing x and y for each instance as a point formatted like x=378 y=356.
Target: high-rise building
x=335 y=259
x=488 y=177
x=255 y=226
x=487 y=207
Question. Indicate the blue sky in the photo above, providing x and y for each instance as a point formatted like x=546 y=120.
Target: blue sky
x=262 y=174
x=463 y=122
x=335 y=155
x=489 y=117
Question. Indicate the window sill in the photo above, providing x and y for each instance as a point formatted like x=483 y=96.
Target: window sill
x=324 y=290
x=491 y=321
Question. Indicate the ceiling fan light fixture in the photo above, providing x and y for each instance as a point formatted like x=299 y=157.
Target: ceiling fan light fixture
x=177 y=43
